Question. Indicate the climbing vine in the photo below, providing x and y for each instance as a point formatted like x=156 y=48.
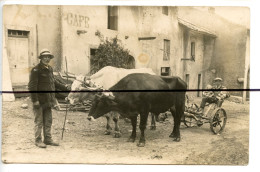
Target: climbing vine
x=111 y=53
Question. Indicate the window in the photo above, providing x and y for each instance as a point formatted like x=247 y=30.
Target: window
x=166 y=50
x=187 y=80
x=165 y=10
x=18 y=33
x=199 y=80
x=192 y=53
x=165 y=71
x=92 y=54
x=112 y=18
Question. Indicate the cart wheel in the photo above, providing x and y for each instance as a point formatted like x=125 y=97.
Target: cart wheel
x=218 y=121
x=190 y=122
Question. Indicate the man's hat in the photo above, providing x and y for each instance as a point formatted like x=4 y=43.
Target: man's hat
x=218 y=79
x=45 y=52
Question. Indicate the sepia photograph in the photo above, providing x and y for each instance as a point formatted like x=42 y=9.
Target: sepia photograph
x=122 y=84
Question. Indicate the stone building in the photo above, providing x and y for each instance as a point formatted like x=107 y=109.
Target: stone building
x=166 y=39
x=230 y=58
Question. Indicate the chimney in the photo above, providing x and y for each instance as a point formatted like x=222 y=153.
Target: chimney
x=211 y=10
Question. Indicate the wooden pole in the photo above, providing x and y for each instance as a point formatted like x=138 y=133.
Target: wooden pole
x=66 y=101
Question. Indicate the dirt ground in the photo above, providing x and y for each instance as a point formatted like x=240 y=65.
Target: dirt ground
x=85 y=142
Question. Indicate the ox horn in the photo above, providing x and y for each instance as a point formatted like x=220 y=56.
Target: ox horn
x=109 y=94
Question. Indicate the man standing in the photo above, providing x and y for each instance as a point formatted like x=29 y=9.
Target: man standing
x=42 y=87
x=215 y=94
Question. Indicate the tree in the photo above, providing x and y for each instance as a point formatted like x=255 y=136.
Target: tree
x=111 y=53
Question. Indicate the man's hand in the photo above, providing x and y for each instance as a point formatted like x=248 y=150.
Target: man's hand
x=57 y=107
x=36 y=104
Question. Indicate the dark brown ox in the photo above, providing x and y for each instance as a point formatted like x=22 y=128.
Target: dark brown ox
x=140 y=94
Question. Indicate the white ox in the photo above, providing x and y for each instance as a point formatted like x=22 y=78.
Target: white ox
x=109 y=76
x=105 y=79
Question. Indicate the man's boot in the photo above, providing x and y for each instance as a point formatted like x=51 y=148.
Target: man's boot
x=40 y=144
x=50 y=142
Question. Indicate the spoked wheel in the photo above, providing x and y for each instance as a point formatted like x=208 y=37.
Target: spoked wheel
x=218 y=121
x=190 y=122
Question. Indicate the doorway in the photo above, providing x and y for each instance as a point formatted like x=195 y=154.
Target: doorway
x=18 y=56
x=248 y=85
x=199 y=80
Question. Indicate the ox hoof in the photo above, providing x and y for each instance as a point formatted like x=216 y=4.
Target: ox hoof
x=171 y=135
x=107 y=132
x=176 y=139
x=117 y=135
x=131 y=139
x=140 y=144
x=152 y=127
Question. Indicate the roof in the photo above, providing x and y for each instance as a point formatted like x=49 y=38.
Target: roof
x=196 y=28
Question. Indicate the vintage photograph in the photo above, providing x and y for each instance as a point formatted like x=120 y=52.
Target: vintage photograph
x=125 y=84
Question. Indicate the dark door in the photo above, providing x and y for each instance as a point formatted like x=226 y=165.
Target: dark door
x=199 y=80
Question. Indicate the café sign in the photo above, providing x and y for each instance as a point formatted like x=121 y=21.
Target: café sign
x=77 y=20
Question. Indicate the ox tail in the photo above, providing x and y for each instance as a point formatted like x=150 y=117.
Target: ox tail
x=187 y=99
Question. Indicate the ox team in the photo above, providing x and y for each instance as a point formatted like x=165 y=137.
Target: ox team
x=137 y=92
x=105 y=78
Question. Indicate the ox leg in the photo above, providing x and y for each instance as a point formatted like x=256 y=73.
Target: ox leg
x=177 y=113
x=142 y=126
x=173 y=111
x=153 y=124
x=117 y=131
x=108 y=127
x=133 y=135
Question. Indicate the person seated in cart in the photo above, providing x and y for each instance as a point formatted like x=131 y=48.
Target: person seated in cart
x=215 y=94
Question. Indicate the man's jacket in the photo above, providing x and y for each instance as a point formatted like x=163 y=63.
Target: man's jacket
x=218 y=92
x=42 y=84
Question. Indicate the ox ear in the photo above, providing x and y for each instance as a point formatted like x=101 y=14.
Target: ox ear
x=109 y=95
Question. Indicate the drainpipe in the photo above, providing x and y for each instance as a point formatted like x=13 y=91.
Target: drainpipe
x=185 y=47
x=61 y=38
x=37 y=41
x=246 y=67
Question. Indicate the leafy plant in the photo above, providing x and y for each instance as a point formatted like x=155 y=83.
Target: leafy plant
x=111 y=53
